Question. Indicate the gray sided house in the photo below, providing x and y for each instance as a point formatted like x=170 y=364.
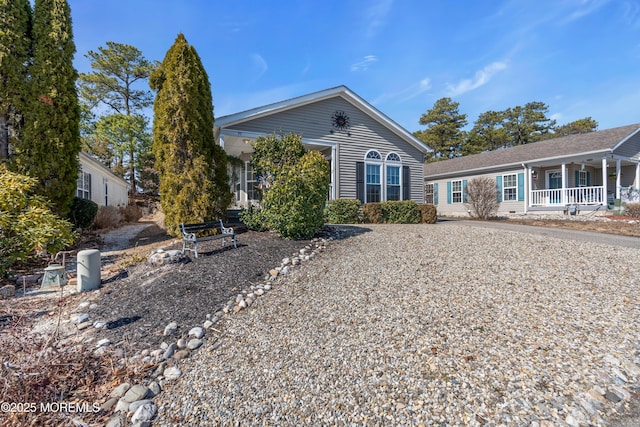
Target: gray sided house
x=582 y=173
x=372 y=158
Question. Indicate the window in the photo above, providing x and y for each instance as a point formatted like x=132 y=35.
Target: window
x=393 y=182
x=83 y=190
x=373 y=183
x=428 y=194
x=373 y=176
x=510 y=187
x=252 y=183
x=582 y=179
x=456 y=191
x=393 y=177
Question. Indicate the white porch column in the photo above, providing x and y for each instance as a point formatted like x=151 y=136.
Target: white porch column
x=334 y=182
x=618 y=164
x=222 y=141
x=605 y=196
x=564 y=183
x=637 y=177
x=527 y=187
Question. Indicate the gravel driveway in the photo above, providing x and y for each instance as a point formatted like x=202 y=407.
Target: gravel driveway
x=445 y=324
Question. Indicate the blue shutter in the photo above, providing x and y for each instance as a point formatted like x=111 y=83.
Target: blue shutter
x=435 y=193
x=588 y=179
x=464 y=191
x=360 y=181
x=499 y=187
x=448 y=192
x=521 y=187
x=406 y=183
x=577 y=183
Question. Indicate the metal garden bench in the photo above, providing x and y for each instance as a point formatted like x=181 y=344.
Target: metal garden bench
x=190 y=234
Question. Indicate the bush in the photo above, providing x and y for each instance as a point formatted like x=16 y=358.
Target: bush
x=400 y=212
x=481 y=197
x=372 y=213
x=253 y=218
x=633 y=210
x=131 y=213
x=428 y=214
x=108 y=217
x=83 y=212
x=27 y=225
x=294 y=182
x=294 y=203
x=342 y=211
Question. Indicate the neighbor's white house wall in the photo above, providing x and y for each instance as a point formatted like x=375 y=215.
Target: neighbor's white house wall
x=447 y=207
x=106 y=188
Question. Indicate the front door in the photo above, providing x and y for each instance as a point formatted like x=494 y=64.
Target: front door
x=554 y=182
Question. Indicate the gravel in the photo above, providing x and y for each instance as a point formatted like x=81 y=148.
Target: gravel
x=444 y=324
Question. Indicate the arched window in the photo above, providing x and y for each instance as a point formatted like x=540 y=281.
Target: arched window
x=393 y=176
x=373 y=176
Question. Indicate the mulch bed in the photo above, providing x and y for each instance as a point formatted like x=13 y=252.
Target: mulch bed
x=138 y=307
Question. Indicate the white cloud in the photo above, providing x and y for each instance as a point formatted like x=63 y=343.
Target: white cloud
x=260 y=64
x=364 y=64
x=405 y=94
x=375 y=16
x=481 y=78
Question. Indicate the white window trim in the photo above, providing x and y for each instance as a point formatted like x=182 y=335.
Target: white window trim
x=81 y=191
x=247 y=181
x=374 y=162
x=453 y=202
x=393 y=163
x=504 y=187
x=582 y=174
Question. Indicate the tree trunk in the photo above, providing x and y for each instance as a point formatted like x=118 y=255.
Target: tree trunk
x=4 y=138
x=132 y=171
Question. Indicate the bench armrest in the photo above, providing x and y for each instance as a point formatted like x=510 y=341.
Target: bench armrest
x=189 y=237
x=225 y=230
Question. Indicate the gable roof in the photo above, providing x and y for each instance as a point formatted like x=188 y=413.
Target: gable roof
x=586 y=143
x=338 y=91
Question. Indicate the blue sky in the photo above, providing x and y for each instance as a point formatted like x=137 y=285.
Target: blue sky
x=580 y=57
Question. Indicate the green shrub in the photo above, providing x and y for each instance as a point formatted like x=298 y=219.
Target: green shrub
x=428 y=214
x=400 y=212
x=27 y=225
x=633 y=210
x=253 y=218
x=342 y=211
x=294 y=185
x=294 y=203
x=83 y=212
x=372 y=213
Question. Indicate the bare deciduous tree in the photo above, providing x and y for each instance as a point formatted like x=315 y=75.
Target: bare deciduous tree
x=482 y=199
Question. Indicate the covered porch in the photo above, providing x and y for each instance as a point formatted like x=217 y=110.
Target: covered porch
x=243 y=181
x=586 y=183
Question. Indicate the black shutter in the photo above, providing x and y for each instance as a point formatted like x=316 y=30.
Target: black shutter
x=406 y=183
x=360 y=181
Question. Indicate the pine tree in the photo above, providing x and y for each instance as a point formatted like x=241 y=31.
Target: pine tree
x=193 y=169
x=444 y=134
x=15 y=46
x=48 y=150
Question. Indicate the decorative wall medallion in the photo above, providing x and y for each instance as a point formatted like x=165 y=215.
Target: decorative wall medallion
x=340 y=121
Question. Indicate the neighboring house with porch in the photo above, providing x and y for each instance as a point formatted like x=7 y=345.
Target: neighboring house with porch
x=97 y=183
x=371 y=157
x=580 y=173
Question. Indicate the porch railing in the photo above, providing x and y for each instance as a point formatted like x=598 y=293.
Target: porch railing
x=568 y=196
